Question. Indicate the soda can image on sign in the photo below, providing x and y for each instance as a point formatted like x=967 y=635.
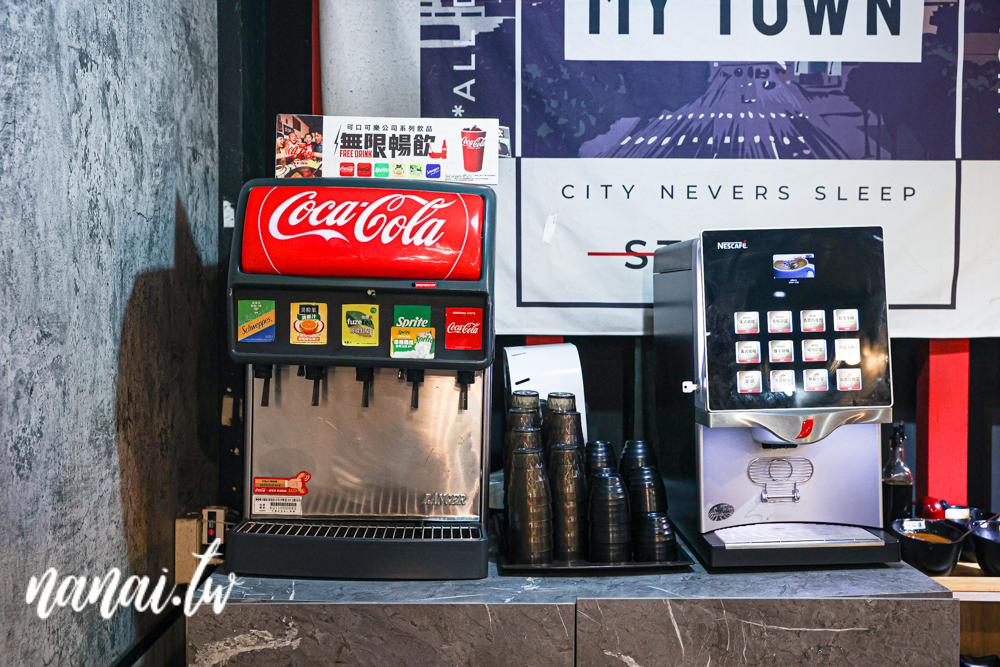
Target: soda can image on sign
x=473 y=148
x=463 y=329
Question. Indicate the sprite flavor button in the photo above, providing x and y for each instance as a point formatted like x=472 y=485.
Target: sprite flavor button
x=360 y=325
x=411 y=316
x=255 y=321
x=412 y=334
x=381 y=170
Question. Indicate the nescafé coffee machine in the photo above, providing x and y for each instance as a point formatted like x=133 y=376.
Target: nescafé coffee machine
x=363 y=310
x=772 y=351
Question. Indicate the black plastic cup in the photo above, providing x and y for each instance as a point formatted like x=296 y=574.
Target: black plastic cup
x=529 y=513
x=654 y=539
x=525 y=398
x=569 y=501
x=610 y=553
x=560 y=400
x=561 y=427
x=518 y=437
x=646 y=492
x=599 y=454
x=636 y=454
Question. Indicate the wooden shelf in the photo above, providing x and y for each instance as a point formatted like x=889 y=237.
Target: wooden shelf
x=968 y=578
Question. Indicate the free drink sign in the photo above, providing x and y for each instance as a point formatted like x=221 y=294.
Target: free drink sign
x=458 y=150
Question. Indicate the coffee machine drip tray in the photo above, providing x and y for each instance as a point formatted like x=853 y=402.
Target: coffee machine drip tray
x=795 y=535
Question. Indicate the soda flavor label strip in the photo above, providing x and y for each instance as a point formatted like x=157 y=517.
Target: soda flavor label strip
x=309 y=324
x=255 y=321
x=458 y=150
x=360 y=325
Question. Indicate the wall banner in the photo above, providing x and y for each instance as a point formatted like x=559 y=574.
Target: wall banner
x=639 y=123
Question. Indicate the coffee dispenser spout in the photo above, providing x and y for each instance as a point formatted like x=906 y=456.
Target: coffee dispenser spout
x=416 y=376
x=367 y=376
x=263 y=372
x=315 y=373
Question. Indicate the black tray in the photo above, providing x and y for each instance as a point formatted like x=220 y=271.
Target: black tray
x=571 y=568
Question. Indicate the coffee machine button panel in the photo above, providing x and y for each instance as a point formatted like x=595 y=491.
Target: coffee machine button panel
x=783 y=382
x=816 y=379
x=749 y=382
x=849 y=379
x=747 y=322
x=845 y=319
x=781 y=351
x=748 y=352
x=813 y=321
x=848 y=350
x=779 y=321
x=813 y=350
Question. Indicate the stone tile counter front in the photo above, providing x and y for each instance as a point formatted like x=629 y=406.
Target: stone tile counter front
x=870 y=616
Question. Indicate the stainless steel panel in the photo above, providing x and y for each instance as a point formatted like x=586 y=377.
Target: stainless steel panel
x=845 y=487
x=386 y=460
x=787 y=423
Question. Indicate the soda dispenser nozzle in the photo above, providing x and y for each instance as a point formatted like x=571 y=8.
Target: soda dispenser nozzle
x=416 y=376
x=366 y=375
x=314 y=373
x=263 y=372
x=465 y=378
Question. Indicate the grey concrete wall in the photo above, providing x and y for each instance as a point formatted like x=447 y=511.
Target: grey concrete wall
x=108 y=234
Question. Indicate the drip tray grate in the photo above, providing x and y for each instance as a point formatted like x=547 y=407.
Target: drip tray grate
x=372 y=530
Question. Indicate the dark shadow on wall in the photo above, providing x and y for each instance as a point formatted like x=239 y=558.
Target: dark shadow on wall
x=166 y=416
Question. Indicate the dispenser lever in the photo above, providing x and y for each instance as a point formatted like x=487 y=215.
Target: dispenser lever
x=416 y=376
x=367 y=376
x=465 y=378
x=264 y=372
x=315 y=373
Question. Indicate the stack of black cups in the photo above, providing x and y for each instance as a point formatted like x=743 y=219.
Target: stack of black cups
x=526 y=398
x=599 y=455
x=569 y=502
x=564 y=428
x=557 y=401
x=609 y=534
x=635 y=454
x=655 y=541
x=529 y=509
x=517 y=420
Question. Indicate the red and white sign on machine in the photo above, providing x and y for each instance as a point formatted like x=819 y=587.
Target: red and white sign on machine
x=363 y=233
x=463 y=329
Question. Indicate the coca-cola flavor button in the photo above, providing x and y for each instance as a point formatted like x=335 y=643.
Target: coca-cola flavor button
x=781 y=352
x=463 y=328
x=813 y=321
x=748 y=382
x=346 y=168
x=845 y=319
x=747 y=322
x=816 y=379
x=814 y=349
x=779 y=321
x=748 y=352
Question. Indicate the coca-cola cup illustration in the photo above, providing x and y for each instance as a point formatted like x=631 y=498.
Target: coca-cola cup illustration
x=473 y=147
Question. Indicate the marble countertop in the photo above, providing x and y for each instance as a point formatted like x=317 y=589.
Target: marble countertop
x=890 y=581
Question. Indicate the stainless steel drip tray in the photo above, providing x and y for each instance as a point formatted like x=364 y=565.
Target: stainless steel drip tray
x=364 y=530
x=795 y=535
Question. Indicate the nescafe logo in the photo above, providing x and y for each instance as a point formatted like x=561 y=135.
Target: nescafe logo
x=732 y=245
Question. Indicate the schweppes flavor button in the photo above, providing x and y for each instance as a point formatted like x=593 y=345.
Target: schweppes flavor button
x=309 y=324
x=255 y=321
x=360 y=325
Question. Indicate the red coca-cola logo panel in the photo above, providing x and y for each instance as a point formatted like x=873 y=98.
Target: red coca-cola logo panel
x=463 y=328
x=363 y=233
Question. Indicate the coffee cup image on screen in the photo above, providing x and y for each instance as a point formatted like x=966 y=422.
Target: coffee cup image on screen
x=798 y=265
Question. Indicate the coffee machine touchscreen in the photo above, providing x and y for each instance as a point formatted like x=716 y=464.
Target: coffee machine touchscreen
x=796 y=319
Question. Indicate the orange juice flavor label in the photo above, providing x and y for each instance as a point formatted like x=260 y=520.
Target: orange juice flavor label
x=309 y=324
x=282 y=486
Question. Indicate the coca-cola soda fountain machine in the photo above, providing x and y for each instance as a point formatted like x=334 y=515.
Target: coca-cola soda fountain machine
x=363 y=310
